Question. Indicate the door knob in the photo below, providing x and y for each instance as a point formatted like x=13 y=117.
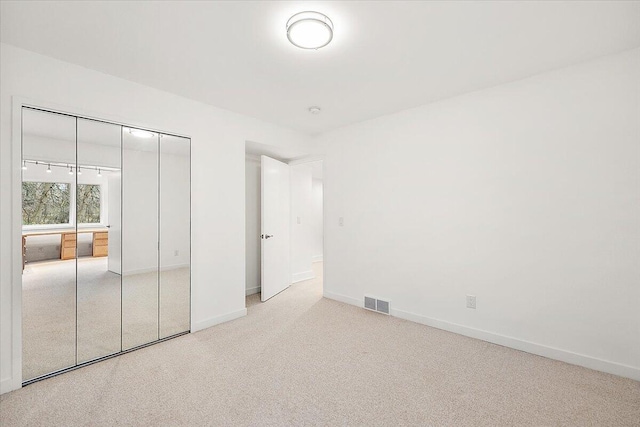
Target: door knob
x=266 y=236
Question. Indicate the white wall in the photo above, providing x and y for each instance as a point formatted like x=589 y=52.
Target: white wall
x=317 y=224
x=525 y=195
x=252 y=224
x=217 y=178
x=301 y=230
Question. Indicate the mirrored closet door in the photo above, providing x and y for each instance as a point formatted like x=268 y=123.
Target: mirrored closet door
x=98 y=287
x=48 y=243
x=140 y=249
x=175 y=248
x=105 y=240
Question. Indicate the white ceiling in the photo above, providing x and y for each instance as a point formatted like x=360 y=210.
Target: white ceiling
x=385 y=56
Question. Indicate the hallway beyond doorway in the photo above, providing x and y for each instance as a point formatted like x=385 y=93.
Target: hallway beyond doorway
x=311 y=288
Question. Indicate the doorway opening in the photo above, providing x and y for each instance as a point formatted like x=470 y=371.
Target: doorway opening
x=284 y=225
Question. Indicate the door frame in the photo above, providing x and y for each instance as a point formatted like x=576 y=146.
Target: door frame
x=14 y=382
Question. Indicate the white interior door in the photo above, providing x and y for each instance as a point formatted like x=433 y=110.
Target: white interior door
x=275 y=206
x=114 y=215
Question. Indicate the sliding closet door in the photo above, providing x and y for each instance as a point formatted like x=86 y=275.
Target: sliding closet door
x=140 y=244
x=175 y=232
x=49 y=253
x=99 y=285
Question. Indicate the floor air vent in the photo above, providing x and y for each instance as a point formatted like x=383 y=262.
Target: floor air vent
x=370 y=303
x=375 y=304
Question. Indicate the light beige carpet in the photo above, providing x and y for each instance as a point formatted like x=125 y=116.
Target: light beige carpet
x=299 y=359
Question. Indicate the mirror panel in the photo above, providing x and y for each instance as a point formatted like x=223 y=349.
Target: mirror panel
x=48 y=242
x=139 y=237
x=175 y=235
x=98 y=240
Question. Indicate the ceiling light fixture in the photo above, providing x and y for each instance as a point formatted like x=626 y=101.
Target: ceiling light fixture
x=309 y=30
x=49 y=168
x=24 y=165
x=314 y=110
x=141 y=133
x=70 y=170
x=79 y=171
x=99 y=173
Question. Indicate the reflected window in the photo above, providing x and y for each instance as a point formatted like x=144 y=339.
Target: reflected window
x=45 y=203
x=88 y=201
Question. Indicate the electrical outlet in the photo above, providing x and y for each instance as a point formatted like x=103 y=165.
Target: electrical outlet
x=471 y=301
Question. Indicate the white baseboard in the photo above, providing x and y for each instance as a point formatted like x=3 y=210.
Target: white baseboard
x=251 y=291
x=507 y=341
x=343 y=298
x=316 y=258
x=305 y=275
x=8 y=385
x=212 y=321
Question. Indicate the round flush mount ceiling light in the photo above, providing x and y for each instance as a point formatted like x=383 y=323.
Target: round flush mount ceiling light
x=314 y=110
x=309 y=30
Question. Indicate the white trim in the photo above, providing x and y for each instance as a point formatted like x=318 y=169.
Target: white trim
x=15 y=380
x=304 y=275
x=316 y=258
x=343 y=298
x=306 y=159
x=8 y=384
x=251 y=291
x=507 y=341
x=212 y=321
x=526 y=346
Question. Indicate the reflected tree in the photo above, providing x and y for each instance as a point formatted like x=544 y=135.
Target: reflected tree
x=45 y=203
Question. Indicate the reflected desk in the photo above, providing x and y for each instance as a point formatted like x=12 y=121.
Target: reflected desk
x=68 y=238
